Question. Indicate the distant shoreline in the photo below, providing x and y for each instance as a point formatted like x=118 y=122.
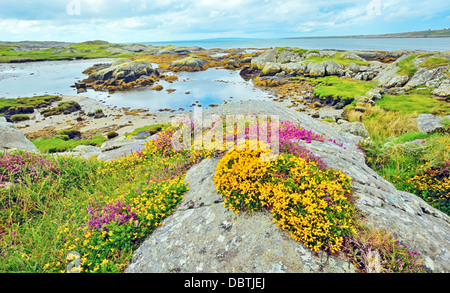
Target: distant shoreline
x=369 y=37
x=444 y=33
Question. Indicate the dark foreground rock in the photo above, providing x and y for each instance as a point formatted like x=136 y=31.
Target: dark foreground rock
x=202 y=236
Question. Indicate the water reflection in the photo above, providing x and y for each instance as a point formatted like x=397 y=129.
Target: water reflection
x=213 y=86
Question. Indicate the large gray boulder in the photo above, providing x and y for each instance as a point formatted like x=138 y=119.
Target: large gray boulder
x=424 y=75
x=427 y=123
x=388 y=77
x=13 y=138
x=203 y=236
x=124 y=69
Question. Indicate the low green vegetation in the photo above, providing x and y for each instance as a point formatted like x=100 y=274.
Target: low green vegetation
x=414 y=102
x=62 y=108
x=434 y=62
x=26 y=105
x=413 y=161
x=19 y=118
x=338 y=58
x=63 y=143
x=60 y=208
x=407 y=66
x=151 y=129
x=341 y=88
x=86 y=50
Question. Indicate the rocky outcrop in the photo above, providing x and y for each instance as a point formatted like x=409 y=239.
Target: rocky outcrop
x=191 y=63
x=203 y=236
x=12 y=138
x=123 y=69
x=427 y=123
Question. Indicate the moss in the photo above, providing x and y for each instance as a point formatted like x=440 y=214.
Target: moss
x=338 y=58
x=71 y=133
x=434 y=62
x=152 y=129
x=19 y=117
x=407 y=66
x=414 y=102
x=26 y=105
x=341 y=88
x=112 y=134
x=62 y=108
x=60 y=143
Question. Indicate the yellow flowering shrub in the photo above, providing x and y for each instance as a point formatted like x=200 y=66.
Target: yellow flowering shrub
x=311 y=203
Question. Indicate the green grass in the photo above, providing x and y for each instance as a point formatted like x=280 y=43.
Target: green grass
x=54 y=145
x=434 y=62
x=414 y=103
x=407 y=66
x=338 y=58
x=19 y=117
x=26 y=105
x=152 y=129
x=86 y=50
x=62 y=108
x=341 y=88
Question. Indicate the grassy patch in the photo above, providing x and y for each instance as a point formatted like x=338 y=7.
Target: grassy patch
x=26 y=105
x=152 y=129
x=434 y=62
x=407 y=66
x=338 y=58
x=19 y=117
x=416 y=102
x=55 y=145
x=341 y=88
x=62 y=108
x=86 y=50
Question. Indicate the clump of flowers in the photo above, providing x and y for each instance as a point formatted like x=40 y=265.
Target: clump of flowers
x=311 y=203
x=378 y=251
x=111 y=213
x=433 y=185
x=18 y=165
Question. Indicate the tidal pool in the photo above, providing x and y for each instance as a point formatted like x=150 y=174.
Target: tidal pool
x=213 y=86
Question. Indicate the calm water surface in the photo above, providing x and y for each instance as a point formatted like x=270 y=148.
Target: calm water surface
x=213 y=86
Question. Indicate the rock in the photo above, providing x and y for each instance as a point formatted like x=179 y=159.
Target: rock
x=99 y=114
x=427 y=123
x=203 y=236
x=191 y=63
x=355 y=128
x=443 y=90
x=424 y=75
x=333 y=68
x=248 y=72
x=388 y=77
x=13 y=138
x=86 y=152
x=353 y=56
x=294 y=69
x=374 y=94
x=269 y=56
x=271 y=69
x=114 y=152
x=174 y=50
x=316 y=69
x=143 y=135
x=353 y=67
x=123 y=69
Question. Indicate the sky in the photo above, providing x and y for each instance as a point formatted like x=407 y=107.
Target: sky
x=128 y=21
